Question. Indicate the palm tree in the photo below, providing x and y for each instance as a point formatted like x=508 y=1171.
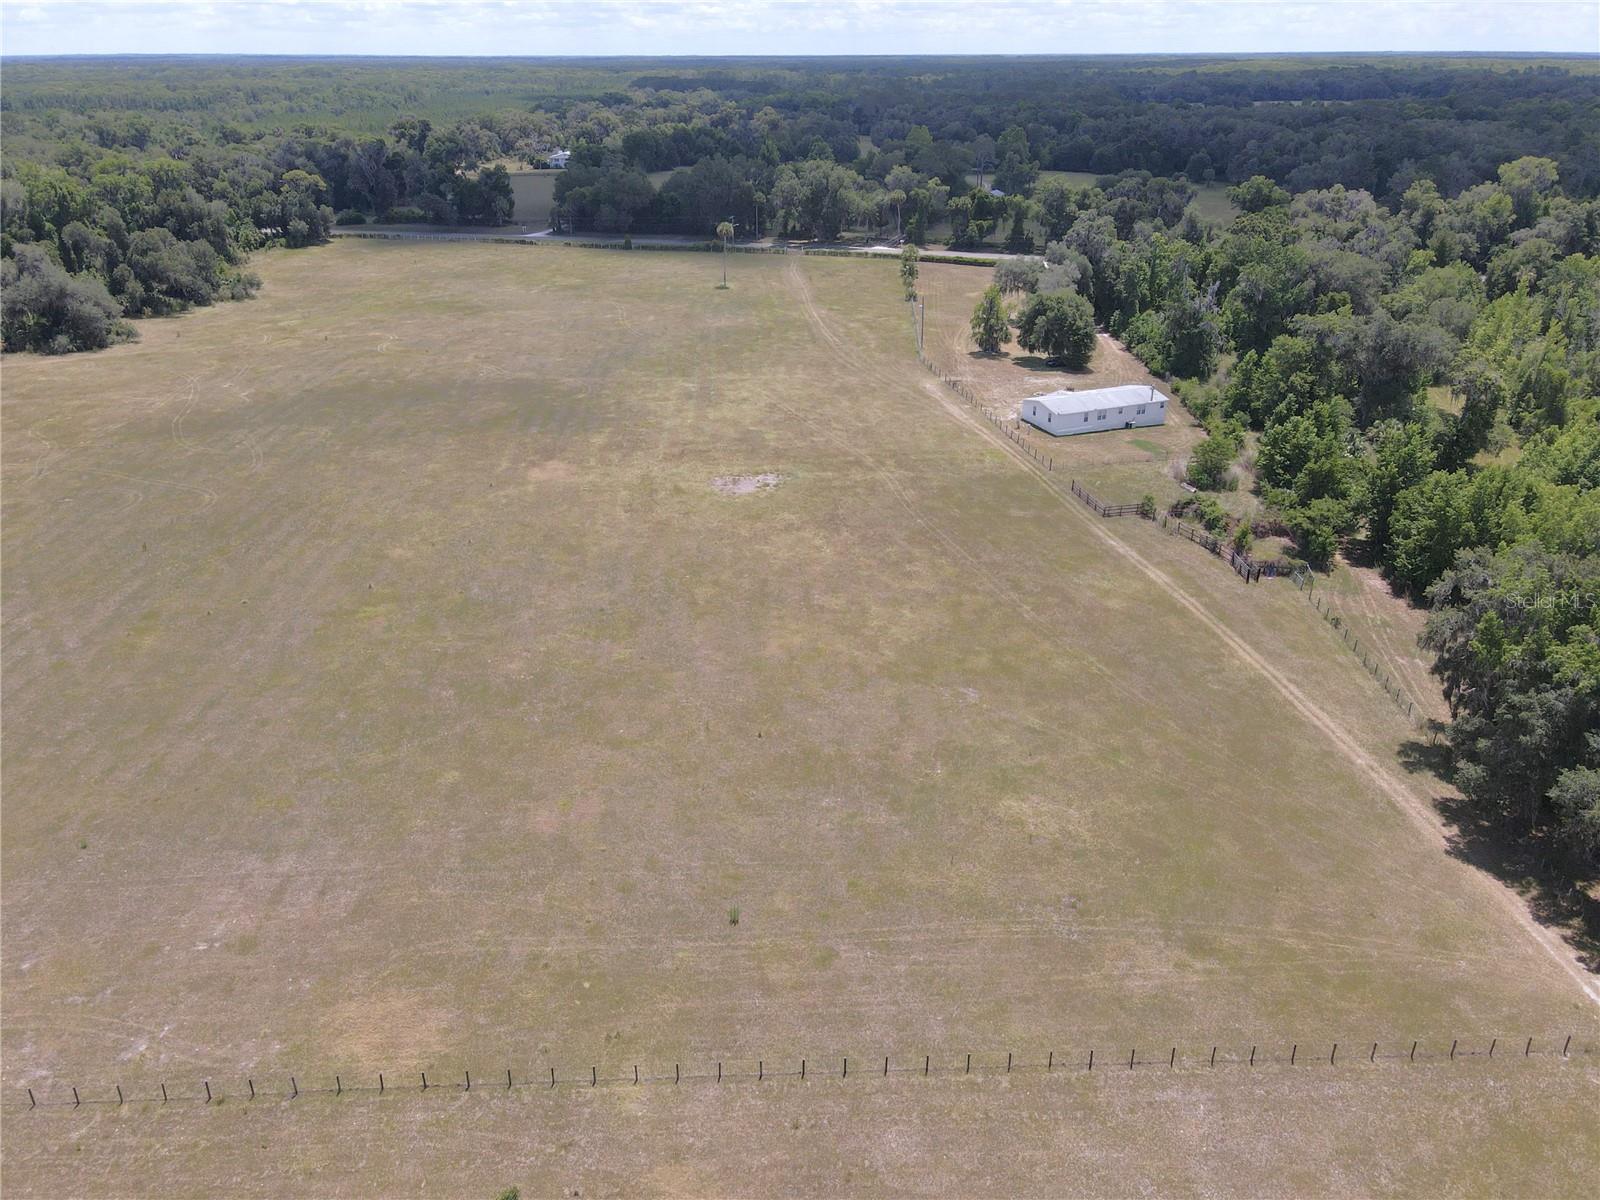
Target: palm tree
x=725 y=234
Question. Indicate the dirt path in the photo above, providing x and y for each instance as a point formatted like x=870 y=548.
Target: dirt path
x=1419 y=810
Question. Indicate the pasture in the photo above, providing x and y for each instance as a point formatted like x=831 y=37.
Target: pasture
x=390 y=687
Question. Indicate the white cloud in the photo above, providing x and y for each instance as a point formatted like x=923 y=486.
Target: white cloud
x=791 y=27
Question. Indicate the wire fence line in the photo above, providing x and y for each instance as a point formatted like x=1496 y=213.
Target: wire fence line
x=627 y=243
x=1247 y=568
x=1239 y=1058
x=1370 y=661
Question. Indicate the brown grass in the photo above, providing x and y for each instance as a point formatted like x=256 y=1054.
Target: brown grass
x=419 y=704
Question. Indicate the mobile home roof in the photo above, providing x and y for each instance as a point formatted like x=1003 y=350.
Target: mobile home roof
x=1097 y=399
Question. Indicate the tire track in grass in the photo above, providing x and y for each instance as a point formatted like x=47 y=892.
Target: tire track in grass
x=1418 y=810
x=890 y=380
x=865 y=368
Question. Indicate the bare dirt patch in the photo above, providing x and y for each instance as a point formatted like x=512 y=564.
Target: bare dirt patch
x=746 y=485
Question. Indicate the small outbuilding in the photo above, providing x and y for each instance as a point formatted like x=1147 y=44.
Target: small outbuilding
x=1126 y=406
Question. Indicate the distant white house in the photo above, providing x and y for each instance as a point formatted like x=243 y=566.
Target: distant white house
x=558 y=159
x=1127 y=406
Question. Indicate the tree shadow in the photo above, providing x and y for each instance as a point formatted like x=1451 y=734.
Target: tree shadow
x=1033 y=362
x=1359 y=552
x=1431 y=757
x=1554 y=887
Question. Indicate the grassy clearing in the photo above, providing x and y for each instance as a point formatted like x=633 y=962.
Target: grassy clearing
x=388 y=687
x=533 y=195
x=1211 y=199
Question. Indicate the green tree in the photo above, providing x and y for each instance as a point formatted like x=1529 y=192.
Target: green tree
x=1059 y=326
x=989 y=328
x=1316 y=527
x=1209 y=463
x=1403 y=455
x=1516 y=642
x=1193 y=332
x=1257 y=193
x=908 y=269
x=1430 y=522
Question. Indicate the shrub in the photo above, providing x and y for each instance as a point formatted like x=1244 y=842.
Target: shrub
x=404 y=215
x=1208 y=466
x=350 y=217
x=1211 y=514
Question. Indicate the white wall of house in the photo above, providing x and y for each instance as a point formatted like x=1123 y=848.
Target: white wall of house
x=1126 y=415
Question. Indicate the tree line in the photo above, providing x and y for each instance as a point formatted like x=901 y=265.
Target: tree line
x=228 y=155
x=1416 y=381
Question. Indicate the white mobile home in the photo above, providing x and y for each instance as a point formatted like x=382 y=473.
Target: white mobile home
x=1127 y=406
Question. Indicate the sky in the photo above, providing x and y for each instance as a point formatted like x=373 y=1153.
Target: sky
x=788 y=27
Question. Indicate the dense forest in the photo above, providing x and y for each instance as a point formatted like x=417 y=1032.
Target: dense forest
x=1403 y=226
x=139 y=186
x=1415 y=383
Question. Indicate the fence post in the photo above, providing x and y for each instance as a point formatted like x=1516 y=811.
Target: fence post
x=119 y=1095
x=886 y=1066
x=1008 y=1062
x=1293 y=1050
x=1091 y=1059
x=1252 y=1056
x=761 y=1071
x=1493 y=1042
x=1413 y=1052
x=75 y=1101
x=251 y=1082
x=636 y=1074
x=1131 y=1053
x=926 y=1059
x=552 y=1077
x=1213 y=1056
x=338 y=1086
x=846 y=1074
x=32 y=1103
x=1050 y=1062
x=969 y=1065
x=424 y=1081
x=1374 y=1056
x=380 y=1083
x=802 y=1068
x=1528 y=1049
x=1566 y=1044
x=1334 y=1054
x=1453 y=1042
x=208 y=1091
x=1173 y=1061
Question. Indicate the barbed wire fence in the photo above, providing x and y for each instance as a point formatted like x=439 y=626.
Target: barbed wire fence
x=1240 y=1058
x=1305 y=582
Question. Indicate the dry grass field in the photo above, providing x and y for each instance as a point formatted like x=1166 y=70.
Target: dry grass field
x=389 y=686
